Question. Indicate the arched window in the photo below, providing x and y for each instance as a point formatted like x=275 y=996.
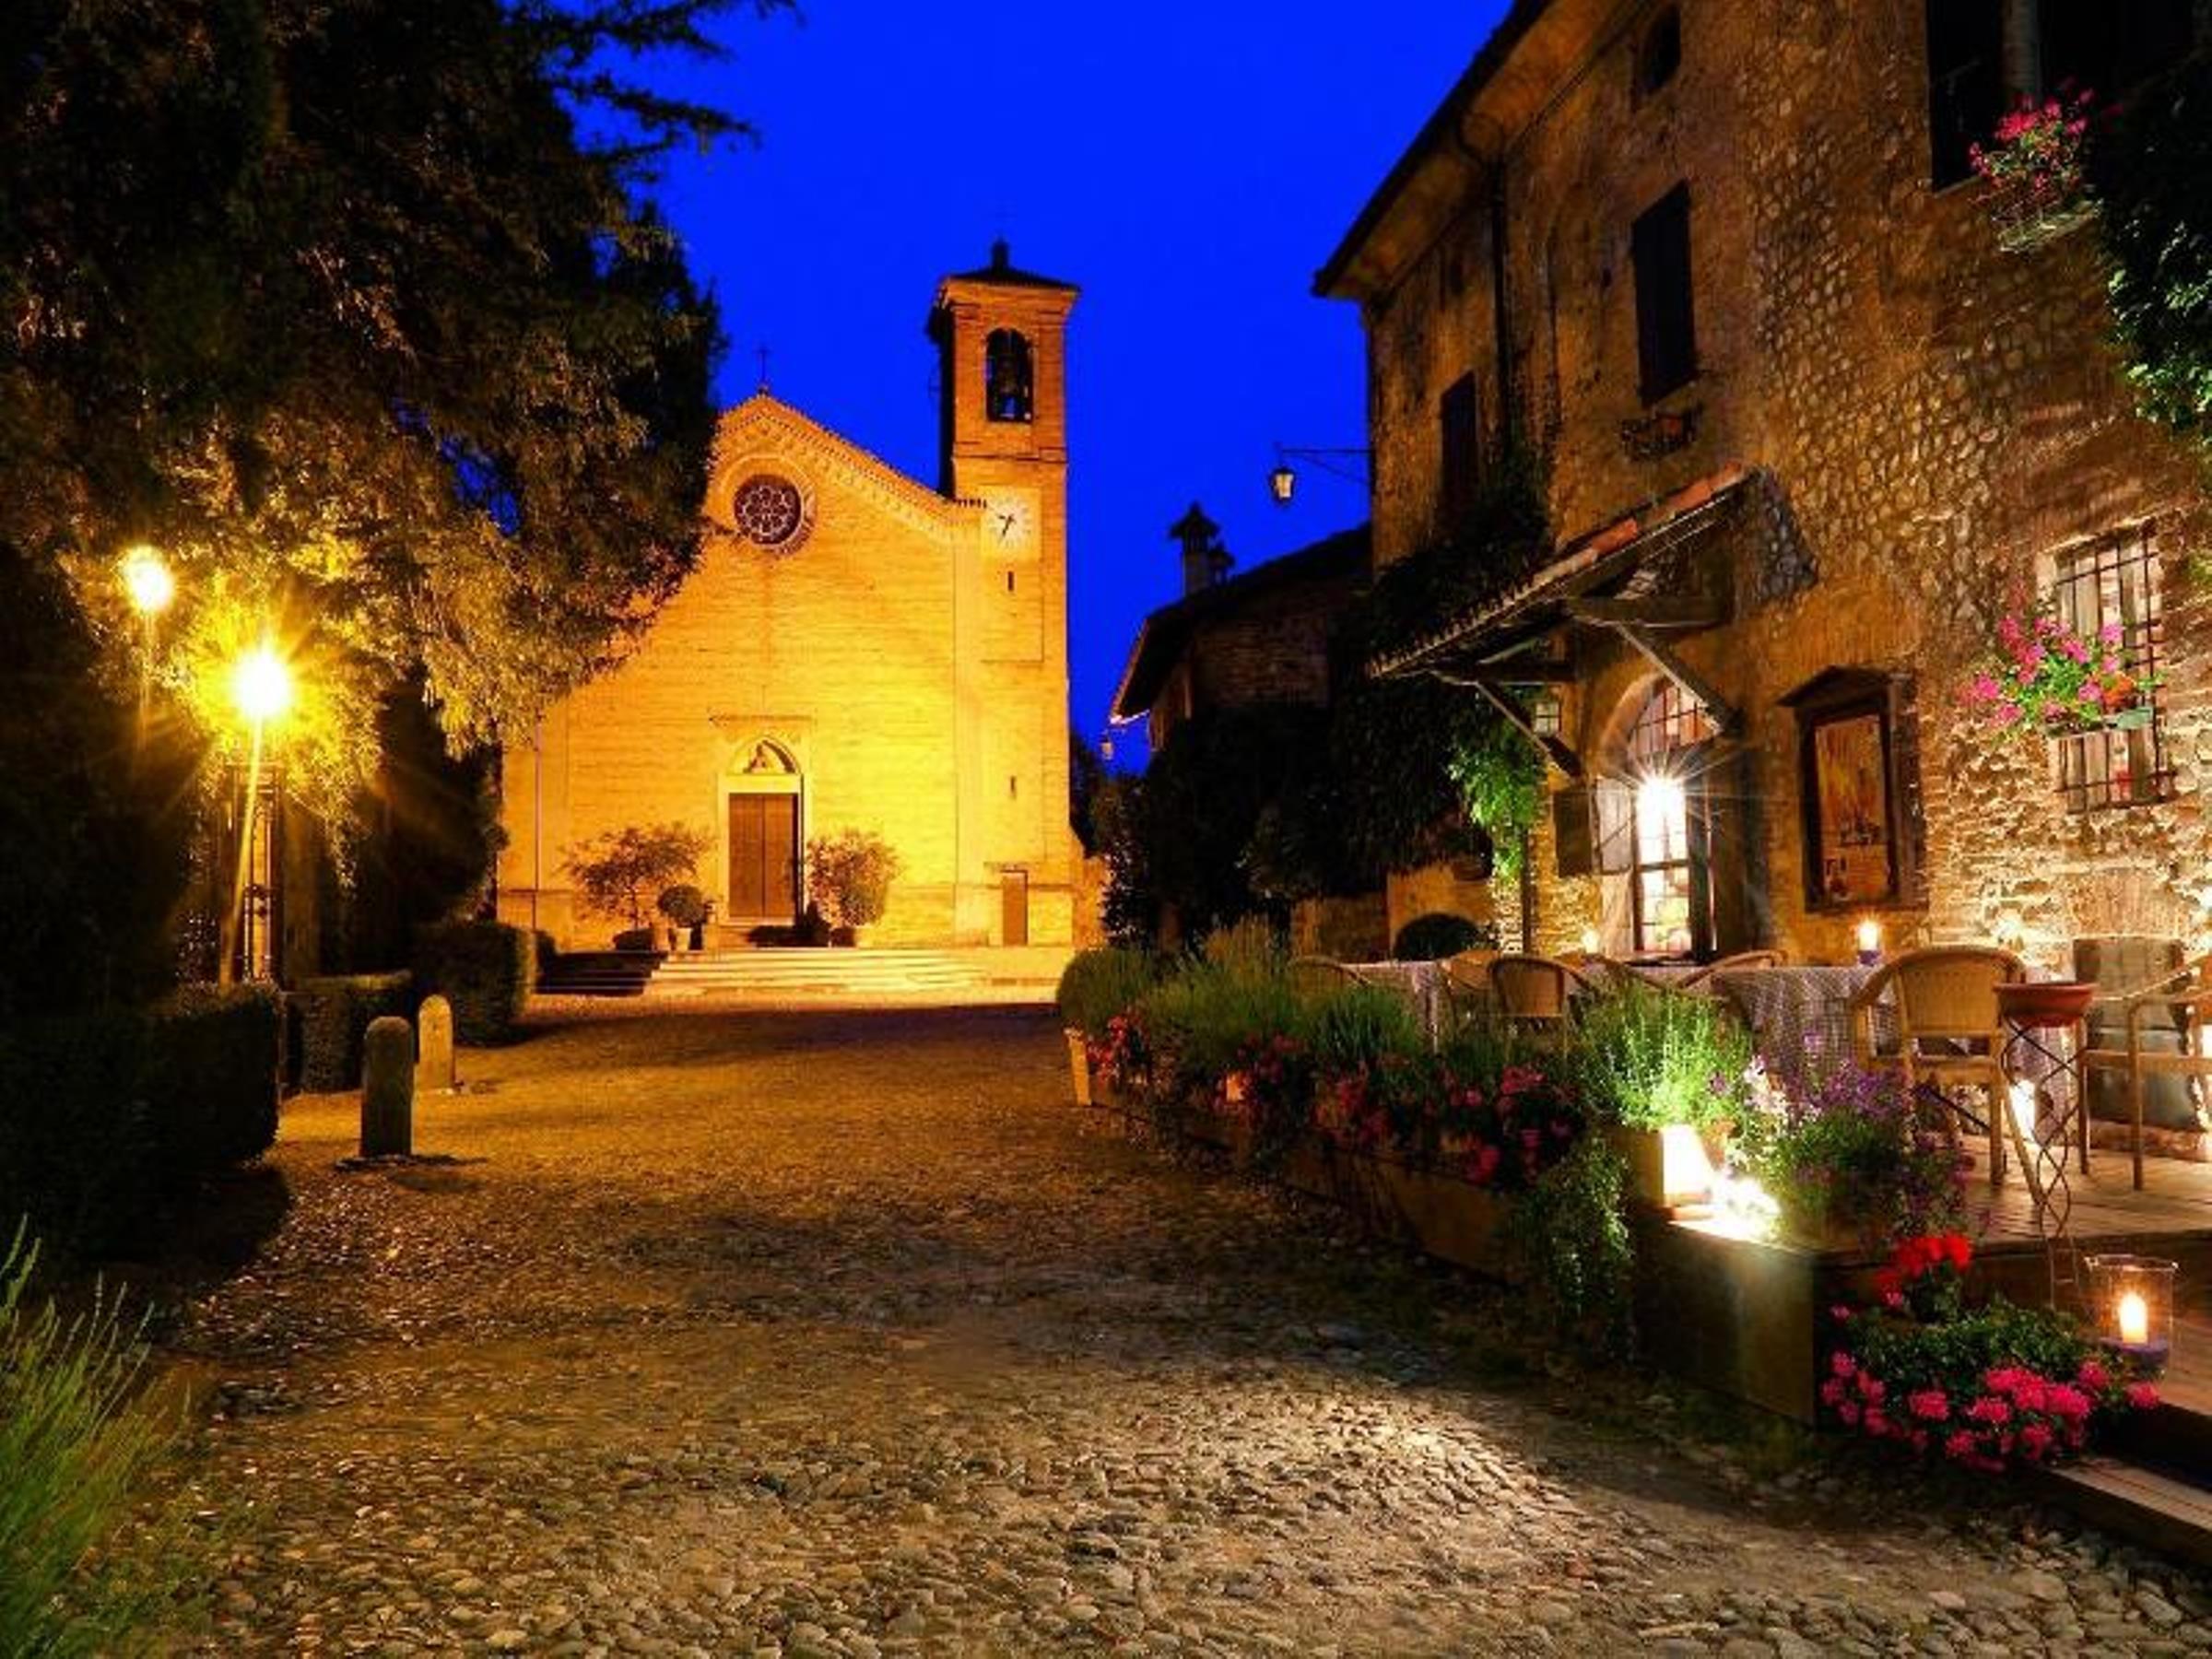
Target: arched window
x=1009 y=376
x=1670 y=888
x=1659 y=53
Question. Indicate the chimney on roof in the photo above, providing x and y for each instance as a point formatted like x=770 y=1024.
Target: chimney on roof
x=1204 y=560
x=1002 y=256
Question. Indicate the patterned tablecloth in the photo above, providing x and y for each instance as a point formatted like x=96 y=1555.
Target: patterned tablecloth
x=1800 y=1015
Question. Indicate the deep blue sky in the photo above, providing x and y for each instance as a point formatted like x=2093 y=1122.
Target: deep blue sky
x=1189 y=165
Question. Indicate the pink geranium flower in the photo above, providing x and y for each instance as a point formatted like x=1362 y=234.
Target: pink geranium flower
x=1929 y=1405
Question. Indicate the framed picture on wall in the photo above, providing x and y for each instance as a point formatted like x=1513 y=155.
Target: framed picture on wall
x=1858 y=788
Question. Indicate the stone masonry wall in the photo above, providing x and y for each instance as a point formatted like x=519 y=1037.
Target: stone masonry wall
x=1938 y=419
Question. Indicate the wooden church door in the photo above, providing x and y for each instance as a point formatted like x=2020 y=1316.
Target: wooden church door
x=764 y=857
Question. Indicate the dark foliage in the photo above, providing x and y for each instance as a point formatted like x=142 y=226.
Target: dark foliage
x=2150 y=169
x=1086 y=773
x=1438 y=935
x=357 y=306
x=484 y=969
x=108 y=1114
x=91 y=824
x=329 y=1021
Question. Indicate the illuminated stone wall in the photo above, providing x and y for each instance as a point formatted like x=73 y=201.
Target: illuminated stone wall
x=1938 y=417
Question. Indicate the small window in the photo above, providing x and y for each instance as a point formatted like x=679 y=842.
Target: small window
x=1966 y=83
x=1009 y=581
x=1659 y=53
x=2109 y=591
x=1670 y=890
x=1459 y=420
x=1666 y=337
x=1009 y=377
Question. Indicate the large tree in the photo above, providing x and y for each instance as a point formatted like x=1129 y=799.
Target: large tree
x=359 y=312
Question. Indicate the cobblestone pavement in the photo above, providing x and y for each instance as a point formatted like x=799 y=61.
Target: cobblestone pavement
x=845 y=1333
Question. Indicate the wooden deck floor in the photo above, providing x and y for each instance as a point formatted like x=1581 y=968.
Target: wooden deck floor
x=2176 y=1198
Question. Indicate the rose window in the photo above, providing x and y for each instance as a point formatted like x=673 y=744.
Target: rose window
x=768 y=510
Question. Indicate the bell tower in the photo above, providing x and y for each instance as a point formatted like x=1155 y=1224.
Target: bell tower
x=1001 y=335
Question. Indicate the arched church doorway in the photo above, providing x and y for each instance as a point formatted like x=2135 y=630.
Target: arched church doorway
x=765 y=814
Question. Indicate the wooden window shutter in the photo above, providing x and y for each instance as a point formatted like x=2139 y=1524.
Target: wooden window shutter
x=1574 y=846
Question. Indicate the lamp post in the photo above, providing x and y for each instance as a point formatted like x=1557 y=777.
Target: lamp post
x=151 y=589
x=260 y=690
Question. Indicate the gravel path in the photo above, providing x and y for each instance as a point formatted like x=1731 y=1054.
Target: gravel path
x=842 y=1333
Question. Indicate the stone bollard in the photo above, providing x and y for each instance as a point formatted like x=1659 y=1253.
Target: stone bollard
x=434 y=1069
x=388 y=1090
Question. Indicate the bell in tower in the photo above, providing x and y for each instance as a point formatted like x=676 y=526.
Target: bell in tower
x=999 y=333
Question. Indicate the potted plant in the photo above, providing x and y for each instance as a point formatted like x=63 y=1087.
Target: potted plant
x=616 y=869
x=850 y=876
x=1097 y=986
x=1851 y=1164
x=2037 y=188
x=2045 y=679
x=1668 y=1075
x=686 y=908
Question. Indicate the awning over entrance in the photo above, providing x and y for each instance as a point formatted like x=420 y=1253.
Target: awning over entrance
x=1620 y=578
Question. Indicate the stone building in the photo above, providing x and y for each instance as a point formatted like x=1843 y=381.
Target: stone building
x=1813 y=421
x=1230 y=642
x=854 y=649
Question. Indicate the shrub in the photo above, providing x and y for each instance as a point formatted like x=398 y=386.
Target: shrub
x=850 y=876
x=1646 y=1058
x=1098 y=985
x=72 y=1450
x=614 y=870
x=1570 y=1232
x=213 y=1085
x=1852 y=1152
x=103 y=1115
x=683 y=904
x=330 y=1020
x=1438 y=935
x=485 y=969
x=77 y=1145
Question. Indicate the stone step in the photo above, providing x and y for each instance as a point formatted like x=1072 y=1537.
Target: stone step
x=773 y=971
x=2160 y=1508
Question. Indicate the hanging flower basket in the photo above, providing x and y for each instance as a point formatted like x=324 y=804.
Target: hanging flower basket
x=2037 y=191
x=2046 y=681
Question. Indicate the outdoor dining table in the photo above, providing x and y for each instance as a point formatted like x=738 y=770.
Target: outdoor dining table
x=1421 y=983
x=1799 y=1015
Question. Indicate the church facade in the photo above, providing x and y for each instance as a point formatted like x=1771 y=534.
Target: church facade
x=854 y=649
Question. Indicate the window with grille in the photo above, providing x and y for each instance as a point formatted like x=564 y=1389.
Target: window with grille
x=1644 y=831
x=1666 y=332
x=2114 y=585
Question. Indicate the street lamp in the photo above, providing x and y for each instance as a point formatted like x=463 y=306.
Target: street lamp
x=261 y=689
x=146 y=580
x=1351 y=465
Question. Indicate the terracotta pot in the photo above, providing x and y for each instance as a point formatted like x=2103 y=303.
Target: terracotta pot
x=2047 y=1003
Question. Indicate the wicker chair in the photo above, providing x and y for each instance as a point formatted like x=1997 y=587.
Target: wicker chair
x=1946 y=995
x=1466 y=984
x=2177 y=1004
x=1536 y=994
x=1322 y=973
x=1741 y=959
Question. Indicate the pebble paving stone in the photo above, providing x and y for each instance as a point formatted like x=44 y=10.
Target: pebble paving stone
x=728 y=1332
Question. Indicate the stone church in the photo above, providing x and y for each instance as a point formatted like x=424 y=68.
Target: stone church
x=854 y=649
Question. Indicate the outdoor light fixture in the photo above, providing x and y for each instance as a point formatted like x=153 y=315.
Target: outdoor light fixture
x=1870 y=943
x=1543 y=714
x=2131 y=1305
x=1350 y=464
x=1282 y=483
x=261 y=686
x=147 y=581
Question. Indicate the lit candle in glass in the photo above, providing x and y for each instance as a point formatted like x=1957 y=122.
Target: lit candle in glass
x=1870 y=942
x=1590 y=941
x=2131 y=1298
x=2135 y=1321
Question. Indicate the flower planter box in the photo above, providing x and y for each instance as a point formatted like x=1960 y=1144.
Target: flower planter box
x=1078 y=1066
x=1669 y=1168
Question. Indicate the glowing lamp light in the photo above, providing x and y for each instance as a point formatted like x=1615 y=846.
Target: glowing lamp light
x=147 y=581
x=1870 y=942
x=1661 y=799
x=1282 y=484
x=2131 y=1308
x=1590 y=941
x=260 y=684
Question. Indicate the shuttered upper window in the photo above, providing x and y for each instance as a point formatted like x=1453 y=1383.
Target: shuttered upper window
x=1666 y=333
